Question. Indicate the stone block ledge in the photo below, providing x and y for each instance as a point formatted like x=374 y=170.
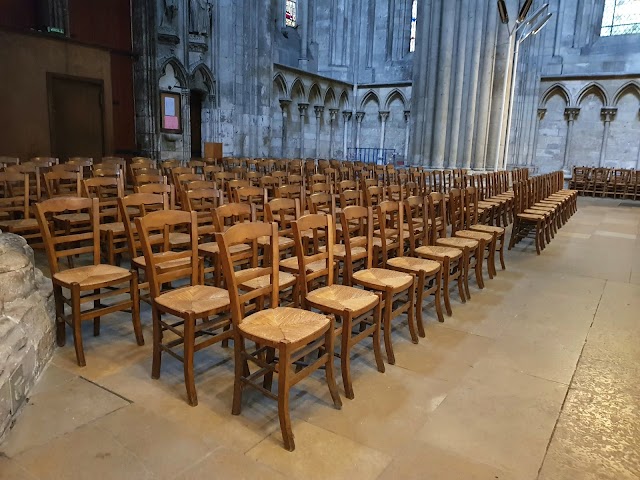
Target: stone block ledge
x=27 y=325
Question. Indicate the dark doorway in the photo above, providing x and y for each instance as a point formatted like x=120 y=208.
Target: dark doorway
x=76 y=117
x=196 y=123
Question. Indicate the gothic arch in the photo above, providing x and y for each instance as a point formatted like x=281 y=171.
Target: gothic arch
x=344 y=100
x=370 y=96
x=298 y=90
x=315 y=96
x=395 y=93
x=556 y=89
x=330 y=98
x=597 y=90
x=281 y=84
x=207 y=76
x=631 y=87
x=178 y=69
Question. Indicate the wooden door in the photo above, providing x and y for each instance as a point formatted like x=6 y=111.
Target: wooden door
x=196 y=123
x=76 y=117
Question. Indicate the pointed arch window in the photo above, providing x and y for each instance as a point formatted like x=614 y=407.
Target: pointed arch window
x=414 y=16
x=291 y=13
x=620 y=17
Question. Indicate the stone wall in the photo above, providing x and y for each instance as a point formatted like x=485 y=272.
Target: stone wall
x=26 y=325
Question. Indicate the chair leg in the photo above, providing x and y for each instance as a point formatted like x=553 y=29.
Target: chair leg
x=329 y=367
x=388 y=308
x=77 y=324
x=268 y=377
x=239 y=370
x=377 y=350
x=157 y=341
x=345 y=356
x=135 y=308
x=419 y=299
x=189 y=350
x=283 y=399
x=466 y=260
x=61 y=335
x=479 y=262
x=411 y=315
x=447 y=296
x=501 y=251
x=538 y=237
x=96 y=320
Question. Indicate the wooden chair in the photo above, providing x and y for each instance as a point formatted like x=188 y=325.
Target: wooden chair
x=202 y=310
x=526 y=223
x=359 y=311
x=472 y=223
x=159 y=189
x=63 y=184
x=391 y=284
x=416 y=214
x=16 y=203
x=112 y=233
x=88 y=284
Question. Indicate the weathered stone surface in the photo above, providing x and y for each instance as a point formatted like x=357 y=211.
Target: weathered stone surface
x=26 y=324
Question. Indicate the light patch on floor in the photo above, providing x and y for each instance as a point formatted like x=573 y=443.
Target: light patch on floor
x=626 y=236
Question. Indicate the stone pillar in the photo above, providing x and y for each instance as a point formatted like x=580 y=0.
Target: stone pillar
x=607 y=115
x=407 y=129
x=443 y=85
x=346 y=117
x=303 y=15
x=638 y=159
x=302 y=109
x=284 y=105
x=333 y=114
x=319 y=109
x=383 y=118
x=359 y=118
x=541 y=113
x=571 y=113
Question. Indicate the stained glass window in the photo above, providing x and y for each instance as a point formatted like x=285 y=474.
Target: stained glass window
x=620 y=17
x=291 y=14
x=414 y=16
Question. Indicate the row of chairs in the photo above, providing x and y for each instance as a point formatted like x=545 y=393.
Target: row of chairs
x=606 y=182
x=542 y=206
x=395 y=263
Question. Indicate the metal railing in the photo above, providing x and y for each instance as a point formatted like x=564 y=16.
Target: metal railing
x=379 y=156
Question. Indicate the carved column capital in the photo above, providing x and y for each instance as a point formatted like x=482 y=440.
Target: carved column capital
x=571 y=113
x=347 y=114
x=608 y=113
x=302 y=108
x=319 y=109
x=407 y=115
x=383 y=115
x=541 y=113
x=284 y=103
x=333 y=113
x=359 y=116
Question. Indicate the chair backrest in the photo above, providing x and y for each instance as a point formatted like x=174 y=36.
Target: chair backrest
x=107 y=190
x=230 y=214
x=14 y=188
x=456 y=210
x=60 y=245
x=358 y=221
x=63 y=184
x=437 y=214
x=374 y=196
x=290 y=191
x=322 y=203
x=244 y=234
x=391 y=223
x=136 y=205
x=173 y=263
x=146 y=178
x=283 y=211
x=254 y=195
x=351 y=197
x=322 y=229
x=416 y=214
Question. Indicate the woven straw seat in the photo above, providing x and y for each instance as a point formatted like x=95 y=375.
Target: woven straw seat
x=200 y=299
x=439 y=252
x=91 y=275
x=212 y=248
x=340 y=298
x=429 y=267
x=285 y=280
x=72 y=217
x=531 y=216
x=283 y=325
x=474 y=235
x=457 y=242
x=23 y=223
x=291 y=265
x=140 y=262
x=381 y=278
x=487 y=229
x=283 y=242
x=116 y=227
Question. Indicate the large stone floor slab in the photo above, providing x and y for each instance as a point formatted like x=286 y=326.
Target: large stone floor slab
x=536 y=376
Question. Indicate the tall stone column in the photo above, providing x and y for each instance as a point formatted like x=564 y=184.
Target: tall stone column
x=383 y=119
x=607 y=115
x=333 y=114
x=302 y=109
x=443 y=85
x=284 y=105
x=303 y=16
x=346 y=117
x=407 y=129
x=571 y=113
x=638 y=159
x=541 y=113
x=359 y=118
x=319 y=110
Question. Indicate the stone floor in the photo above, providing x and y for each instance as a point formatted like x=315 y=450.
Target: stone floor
x=535 y=377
